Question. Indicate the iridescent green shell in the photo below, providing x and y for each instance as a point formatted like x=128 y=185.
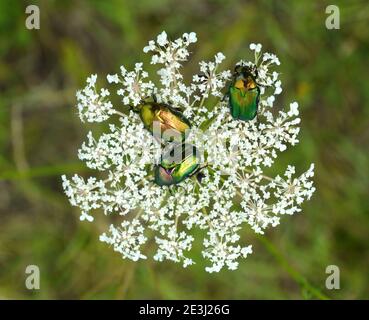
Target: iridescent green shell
x=167 y=117
x=179 y=163
x=244 y=101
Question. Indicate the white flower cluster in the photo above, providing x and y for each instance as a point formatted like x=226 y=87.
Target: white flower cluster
x=126 y=239
x=171 y=55
x=233 y=191
x=209 y=81
x=92 y=105
x=133 y=85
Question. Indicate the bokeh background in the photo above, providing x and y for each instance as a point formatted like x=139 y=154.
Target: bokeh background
x=40 y=70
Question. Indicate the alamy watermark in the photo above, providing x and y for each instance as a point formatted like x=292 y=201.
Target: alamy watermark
x=33 y=18
x=333 y=280
x=333 y=19
x=33 y=279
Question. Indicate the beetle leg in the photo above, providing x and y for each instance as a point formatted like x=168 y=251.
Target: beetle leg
x=203 y=166
x=200 y=176
x=197 y=171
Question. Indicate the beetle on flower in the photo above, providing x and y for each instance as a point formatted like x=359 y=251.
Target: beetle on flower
x=233 y=190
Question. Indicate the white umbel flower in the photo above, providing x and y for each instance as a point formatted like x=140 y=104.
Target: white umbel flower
x=233 y=192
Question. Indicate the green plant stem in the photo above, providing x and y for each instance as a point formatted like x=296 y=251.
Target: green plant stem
x=283 y=262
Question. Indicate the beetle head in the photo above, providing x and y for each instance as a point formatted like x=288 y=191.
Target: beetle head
x=245 y=71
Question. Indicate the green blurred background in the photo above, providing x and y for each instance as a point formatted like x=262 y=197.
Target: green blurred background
x=325 y=70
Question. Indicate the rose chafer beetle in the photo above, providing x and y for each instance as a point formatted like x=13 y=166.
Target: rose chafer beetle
x=166 y=117
x=244 y=93
x=180 y=162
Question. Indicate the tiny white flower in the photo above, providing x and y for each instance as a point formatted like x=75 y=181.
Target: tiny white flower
x=149 y=47
x=255 y=47
x=294 y=109
x=192 y=37
x=91 y=80
x=112 y=78
x=219 y=57
x=104 y=92
x=162 y=39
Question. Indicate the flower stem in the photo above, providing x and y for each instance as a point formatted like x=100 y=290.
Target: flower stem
x=295 y=275
x=120 y=113
x=263 y=176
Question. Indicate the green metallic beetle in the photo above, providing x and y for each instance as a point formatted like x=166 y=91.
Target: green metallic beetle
x=179 y=163
x=166 y=117
x=244 y=93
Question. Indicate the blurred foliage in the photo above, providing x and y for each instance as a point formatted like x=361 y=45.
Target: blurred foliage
x=325 y=70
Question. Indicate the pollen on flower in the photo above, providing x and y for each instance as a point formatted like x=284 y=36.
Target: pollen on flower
x=225 y=196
